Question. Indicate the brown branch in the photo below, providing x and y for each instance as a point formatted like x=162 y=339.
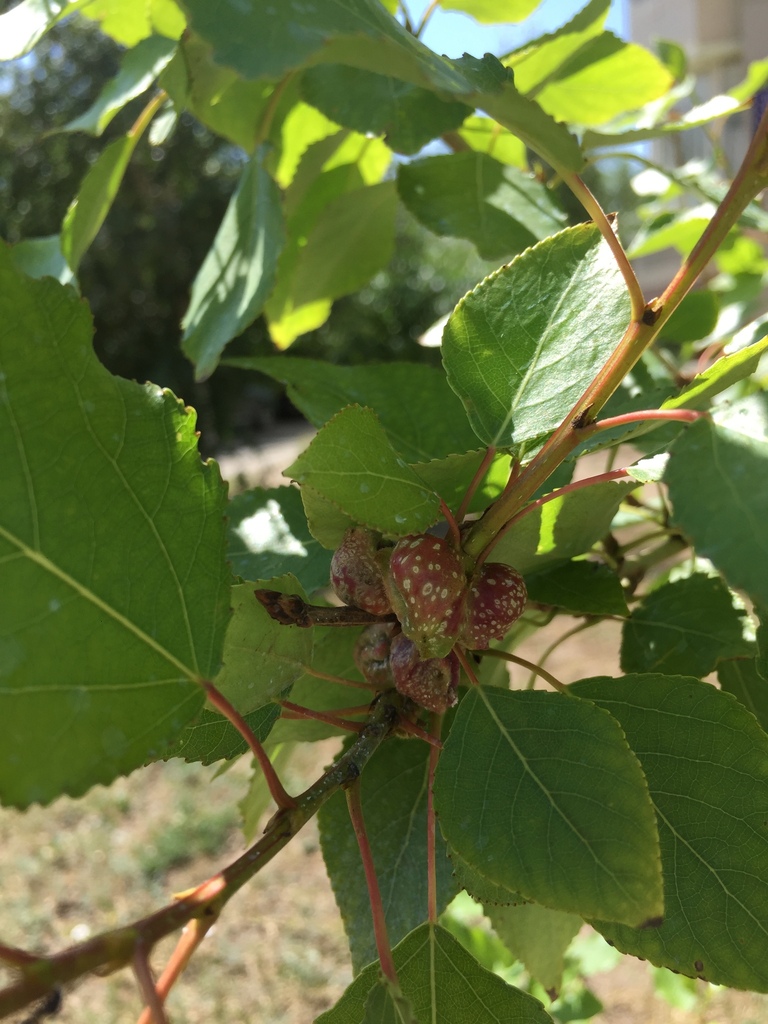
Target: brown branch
x=292 y=610
x=117 y=948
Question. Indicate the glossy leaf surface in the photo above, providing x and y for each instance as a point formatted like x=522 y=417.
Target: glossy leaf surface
x=521 y=347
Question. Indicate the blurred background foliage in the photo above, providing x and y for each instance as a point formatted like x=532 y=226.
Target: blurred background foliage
x=138 y=273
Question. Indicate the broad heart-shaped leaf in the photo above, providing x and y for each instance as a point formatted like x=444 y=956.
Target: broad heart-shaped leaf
x=408 y=117
x=352 y=464
x=706 y=761
x=423 y=418
x=718 y=486
x=444 y=984
x=521 y=348
x=394 y=795
x=580 y=587
x=683 y=628
x=541 y=793
x=261 y=657
x=566 y=526
x=538 y=937
x=493 y=10
x=362 y=34
x=267 y=534
x=138 y=69
x=238 y=272
x=741 y=677
x=89 y=208
x=471 y=195
x=115 y=591
x=716 y=378
x=212 y=738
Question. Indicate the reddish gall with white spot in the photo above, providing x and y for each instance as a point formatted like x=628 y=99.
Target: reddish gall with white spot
x=355 y=573
x=432 y=683
x=426 y=586
x=496 y=599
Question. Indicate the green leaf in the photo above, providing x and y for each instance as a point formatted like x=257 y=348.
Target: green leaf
x=332 y=654
x=339 y=237
x=582 y=588
x=521 y=348
x=89 y=208
x=218 y=97
x=487 y=136
x=267 y=534
x=115 y=590
x=450 y=477
x=470 y=195
x=422 y=416
x=128 y=22
x=361 y=34
x=138 y=70
x=591 y=845
x=716 y=378
x=706 y=761
x=325 y=519
x=24 y=25
x=352 y=463
x=407 y=116
x=302 y=127
x=443 y=983
x=563 y=527
x=493 y=10
x=682 y=628
x=237 y=274
x=262 y=658
x=603 y=78
x=537 y=937
x=695 y=318
x=394 y=795
x=680 y=231
x=480 y=888
x=211 y=738
x=42 y=257
x=742 y=678
x=718 y=486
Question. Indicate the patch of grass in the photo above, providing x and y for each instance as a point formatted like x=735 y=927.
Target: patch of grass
x=192 y=832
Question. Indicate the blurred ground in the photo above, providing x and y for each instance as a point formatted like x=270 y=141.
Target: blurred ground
x=278 y=955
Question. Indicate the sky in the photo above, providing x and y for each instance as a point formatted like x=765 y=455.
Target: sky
x=453 y=33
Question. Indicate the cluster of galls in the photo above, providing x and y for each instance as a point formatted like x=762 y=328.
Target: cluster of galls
x=437 y=604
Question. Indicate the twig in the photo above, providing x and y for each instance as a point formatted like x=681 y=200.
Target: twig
x=190 y=938
x=143 y=973
x=475 y=482
x=515 y=659
x=116 y=948
x=297 y=711
x=277 y=791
